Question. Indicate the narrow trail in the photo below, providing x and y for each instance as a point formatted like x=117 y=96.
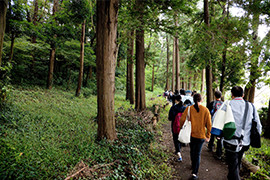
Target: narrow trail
x=210 y=168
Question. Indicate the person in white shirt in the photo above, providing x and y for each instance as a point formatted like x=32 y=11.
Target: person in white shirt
x=238 y=105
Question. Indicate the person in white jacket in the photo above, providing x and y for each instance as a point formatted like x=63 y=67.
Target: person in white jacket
x=241 y=135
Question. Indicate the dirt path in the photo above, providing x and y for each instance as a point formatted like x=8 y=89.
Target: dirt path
x=210 y=168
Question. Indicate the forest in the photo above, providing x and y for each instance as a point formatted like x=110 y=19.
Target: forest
x=80 y=80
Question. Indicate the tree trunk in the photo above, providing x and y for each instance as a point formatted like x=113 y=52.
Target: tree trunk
x=51 y=68
x=3 y=12
x=173 y=66
x=177 y=63
x=224 y=59
x=78 y=91
x=34 y=37
x=254 y=60
x=88 y=76
x=195 y=81
x=209 y=80
x=11 y=48
x=190 y=81
x=202 y=80
x=168 y=60
x=267 y=125
x=107 y=12
x=140 y=103
x=153 y=77
x=52 y=54
x=130 y=71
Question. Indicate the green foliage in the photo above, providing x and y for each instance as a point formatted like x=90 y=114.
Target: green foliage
x=44 y=134
x=263 y=156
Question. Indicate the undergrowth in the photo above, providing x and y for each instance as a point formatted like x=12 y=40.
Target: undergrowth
x=44 y=134
x=261 y=158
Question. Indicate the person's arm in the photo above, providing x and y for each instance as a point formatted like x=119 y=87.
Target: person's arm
x=208 y=124
x=183 y=117
x=210 y=106
x=257 y=119
x=171 y=116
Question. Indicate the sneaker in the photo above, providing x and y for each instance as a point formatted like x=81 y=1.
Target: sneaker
x=194 y=176
x=179 y=159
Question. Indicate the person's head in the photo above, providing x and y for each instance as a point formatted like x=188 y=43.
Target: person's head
x=188 y=92
x=237 y=91
x=218 y=94
x=182 y=92
x=176 y=92
x=177 y=98
x=197 y=98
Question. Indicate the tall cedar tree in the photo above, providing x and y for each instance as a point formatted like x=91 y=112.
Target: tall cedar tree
x=52 y=53
x=80 y=79
x=177 y=63
x=140 y=103
x=107 y=12
x=3 y=12
x=208 y=70
x=130 y=71
x=173 y=67
x=168 y=60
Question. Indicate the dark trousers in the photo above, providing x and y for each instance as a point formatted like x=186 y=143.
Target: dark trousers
x=233 y=160
x=219 y=146
x=195 y=153
x=177 y=143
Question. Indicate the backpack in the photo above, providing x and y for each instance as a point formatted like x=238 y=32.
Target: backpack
x=216 y=106
x=176 y=123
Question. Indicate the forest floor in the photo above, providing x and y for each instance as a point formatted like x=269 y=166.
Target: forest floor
x=210 y=168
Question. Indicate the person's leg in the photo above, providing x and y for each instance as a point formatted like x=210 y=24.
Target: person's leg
x=177 y=143
x=219 y=147
x=196 y=153
x=211 y=142
x=240 y=155
x=232 y=161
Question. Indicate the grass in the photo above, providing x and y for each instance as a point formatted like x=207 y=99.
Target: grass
x=44 y=134
x=262 y=155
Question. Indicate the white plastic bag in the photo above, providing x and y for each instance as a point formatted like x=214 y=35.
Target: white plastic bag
x=185 y=132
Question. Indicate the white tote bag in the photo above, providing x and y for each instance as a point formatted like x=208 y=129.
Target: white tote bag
x=219 y=120
x=185 y=132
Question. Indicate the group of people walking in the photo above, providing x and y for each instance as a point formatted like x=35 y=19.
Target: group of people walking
x=201 y=119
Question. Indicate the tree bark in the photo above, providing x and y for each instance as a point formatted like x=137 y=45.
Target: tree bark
x=208 y=69
x=88 y=76
x=107 y=12
x=130 y=70
x=52 y=54
x=173 y=66
x=190 y=81
x=203 y=80
x=267 y=128
x=51 y=68
x=223 y=69
x=153 y=77
x=254 y=60
x=168 y=60
x=11 y=48
x=177 y=63
x=34 y=37
x=78 y=91
x=140 y=103
x=3 y=13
